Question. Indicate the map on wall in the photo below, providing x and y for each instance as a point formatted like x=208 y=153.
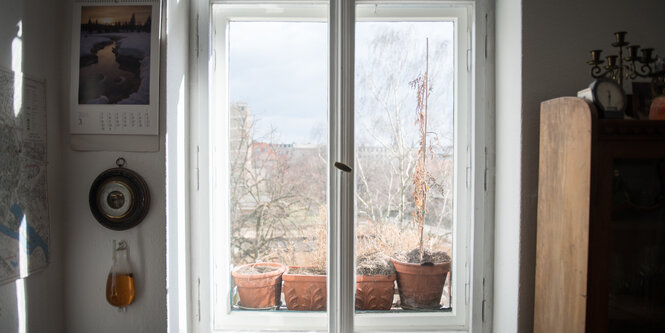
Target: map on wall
x=24 y=219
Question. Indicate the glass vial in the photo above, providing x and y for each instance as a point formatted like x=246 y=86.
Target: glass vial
x=120 y=290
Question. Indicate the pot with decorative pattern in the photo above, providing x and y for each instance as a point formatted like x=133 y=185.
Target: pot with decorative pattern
x=375 y=292
x=305 y=289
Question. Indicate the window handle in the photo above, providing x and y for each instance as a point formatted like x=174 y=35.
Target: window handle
x=343 y=167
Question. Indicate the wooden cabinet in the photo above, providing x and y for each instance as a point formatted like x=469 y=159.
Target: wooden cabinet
x=600 y=260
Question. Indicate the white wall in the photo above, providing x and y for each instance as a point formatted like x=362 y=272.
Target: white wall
x=69 y=295
x=88 y=249
x=555 y=38
x=177 y=230
x=508 y=167
x=88 y=245
x=40 y=58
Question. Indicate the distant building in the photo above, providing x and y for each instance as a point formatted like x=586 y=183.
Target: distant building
x=240 y=129
x=371 y=152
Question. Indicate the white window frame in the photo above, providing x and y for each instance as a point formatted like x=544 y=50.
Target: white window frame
x=209 y=257
x=224 y=318
x=457 y=319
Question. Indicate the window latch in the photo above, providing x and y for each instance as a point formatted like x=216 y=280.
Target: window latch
x=343 y=167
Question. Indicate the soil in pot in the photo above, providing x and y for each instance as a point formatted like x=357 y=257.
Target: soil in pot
x=375 y=282
x=420 y=282
x=305 y=289
x=259 y=285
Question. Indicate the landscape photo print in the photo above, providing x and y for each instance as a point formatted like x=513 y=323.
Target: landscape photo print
x=115 y=45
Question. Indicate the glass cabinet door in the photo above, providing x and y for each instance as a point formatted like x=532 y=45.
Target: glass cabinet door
x=637 y=246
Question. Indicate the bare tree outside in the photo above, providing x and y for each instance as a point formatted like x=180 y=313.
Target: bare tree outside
x=278 y=189
x=388 y=134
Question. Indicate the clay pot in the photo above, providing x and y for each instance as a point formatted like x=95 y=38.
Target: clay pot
x=375 y=292
x=304 y=292
x=259 y=290
x=420 y=286
x=657 y=110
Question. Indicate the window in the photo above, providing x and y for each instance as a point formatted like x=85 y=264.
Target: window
x=273 y=135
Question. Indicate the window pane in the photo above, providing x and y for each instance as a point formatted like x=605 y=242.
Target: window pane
x=405 y=72
x=278 y=151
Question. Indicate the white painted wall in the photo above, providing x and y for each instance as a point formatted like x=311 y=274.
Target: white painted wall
x=177 y=196
x=40 y=59
x=88 y=244
x=69 y=295
x=88 y=249
x=555 y=38
x=508 y=167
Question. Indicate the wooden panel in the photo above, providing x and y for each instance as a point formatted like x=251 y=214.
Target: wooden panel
x=563 y=216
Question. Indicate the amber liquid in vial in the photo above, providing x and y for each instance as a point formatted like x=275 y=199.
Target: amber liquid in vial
x=121 y=293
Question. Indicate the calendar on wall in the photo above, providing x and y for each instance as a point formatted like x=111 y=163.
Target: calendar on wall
x=116 y=122
x=115 y=68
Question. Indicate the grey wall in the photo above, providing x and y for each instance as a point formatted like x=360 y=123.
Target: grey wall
x=556 y=38
x=40 y=57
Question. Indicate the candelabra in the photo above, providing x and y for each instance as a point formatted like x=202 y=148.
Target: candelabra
x=619 y=67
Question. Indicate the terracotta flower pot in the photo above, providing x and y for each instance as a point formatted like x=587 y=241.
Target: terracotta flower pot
x=420 y=286
x=375 y=292
x=657 y=110
x=259 y=290
x=304 y=292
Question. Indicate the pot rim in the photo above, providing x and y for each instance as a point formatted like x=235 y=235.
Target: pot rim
x=302 y=277
x=376 y=278
x=281 y=269
x=440 y=264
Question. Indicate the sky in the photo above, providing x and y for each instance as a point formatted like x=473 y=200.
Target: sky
x=281 y=70
x=112 y=14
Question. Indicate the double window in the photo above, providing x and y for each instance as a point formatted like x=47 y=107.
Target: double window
x=338 y=154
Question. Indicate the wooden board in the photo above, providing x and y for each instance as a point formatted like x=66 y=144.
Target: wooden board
x=563 y=215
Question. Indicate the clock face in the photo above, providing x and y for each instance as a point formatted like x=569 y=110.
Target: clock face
x=115 y=198
x=610 y=96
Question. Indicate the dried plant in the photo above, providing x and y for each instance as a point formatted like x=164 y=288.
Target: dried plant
x=395 y=241
x=318 y=259
x=420 y=176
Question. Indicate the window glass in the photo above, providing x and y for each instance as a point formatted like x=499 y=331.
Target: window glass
x=277 y=141
x=278 y=152
x=404 y=158
x=269 y=191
